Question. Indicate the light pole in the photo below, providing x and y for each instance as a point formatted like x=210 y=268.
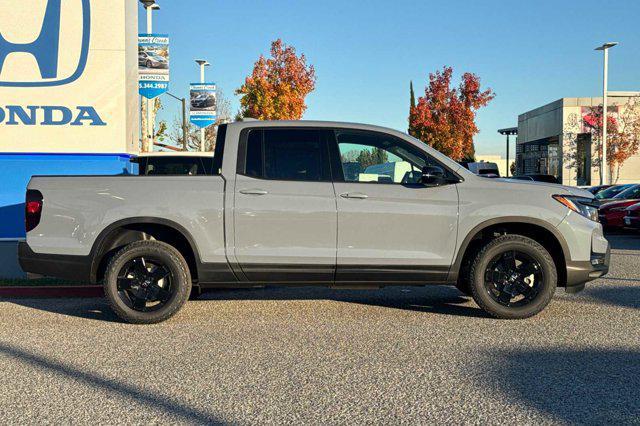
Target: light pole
x=202 y=64
x=604 y=165
x=184 y=119
x=508 y=131
x=150 y=6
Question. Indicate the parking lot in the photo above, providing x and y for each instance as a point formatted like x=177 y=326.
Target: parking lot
x=329 y=356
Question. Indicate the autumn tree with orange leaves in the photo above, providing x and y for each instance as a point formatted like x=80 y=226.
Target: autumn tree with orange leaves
x=444 y=117
x=623 y=139
x=278 y=86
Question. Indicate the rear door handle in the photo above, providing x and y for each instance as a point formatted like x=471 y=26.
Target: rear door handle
x=356 y=195
x=253 y=191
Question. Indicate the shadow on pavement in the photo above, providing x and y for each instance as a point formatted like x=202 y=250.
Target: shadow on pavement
x=94 y=309
x=588 y=386
x=150 y=399
x=623 y=241
x=444 y=300
x=626 y=297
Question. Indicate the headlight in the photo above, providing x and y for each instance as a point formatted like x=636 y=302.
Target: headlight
x=581 y=205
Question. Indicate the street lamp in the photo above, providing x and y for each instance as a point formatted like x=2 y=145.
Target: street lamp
x=184 y=119
x=604 y=165
x=150 y=6
x=202 y=63
x=507 y=132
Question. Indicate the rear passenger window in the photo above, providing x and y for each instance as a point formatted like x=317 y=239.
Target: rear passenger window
x=287 y=154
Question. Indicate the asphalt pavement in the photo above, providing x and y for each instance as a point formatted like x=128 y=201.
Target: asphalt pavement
x=321 y=356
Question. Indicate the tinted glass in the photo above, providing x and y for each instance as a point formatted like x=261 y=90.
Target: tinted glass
x=376 y=157
x=287 y=154
x=178 y=165
x=254 y=165
x=612 y=192
x=631 y=193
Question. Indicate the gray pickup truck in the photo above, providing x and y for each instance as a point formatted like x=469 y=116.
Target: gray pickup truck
x=314 y=203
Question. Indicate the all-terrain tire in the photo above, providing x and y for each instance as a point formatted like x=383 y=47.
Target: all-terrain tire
x=171 y=258
x=527 y=246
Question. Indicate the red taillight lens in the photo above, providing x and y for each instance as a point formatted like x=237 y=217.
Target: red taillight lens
x=33 y=209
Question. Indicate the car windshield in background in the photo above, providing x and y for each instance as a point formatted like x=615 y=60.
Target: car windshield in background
x=178 y=165
x=612 y=192
x=631 y=193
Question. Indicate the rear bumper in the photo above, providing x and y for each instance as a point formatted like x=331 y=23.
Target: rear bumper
x=579 y=273
x=76 y=268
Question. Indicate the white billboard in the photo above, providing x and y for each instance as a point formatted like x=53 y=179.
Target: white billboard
x=68 y=76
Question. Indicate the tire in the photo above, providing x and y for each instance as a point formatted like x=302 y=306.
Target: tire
x=149 y=64
x=125 y=290
x=536 y=280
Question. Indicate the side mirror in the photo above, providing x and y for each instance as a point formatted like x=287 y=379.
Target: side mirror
x=433 y=176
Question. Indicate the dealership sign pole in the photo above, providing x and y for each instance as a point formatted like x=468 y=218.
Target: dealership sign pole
x=203 y=104
x=153 y=68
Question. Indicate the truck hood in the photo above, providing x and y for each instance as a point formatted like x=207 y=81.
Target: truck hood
x=559 y=189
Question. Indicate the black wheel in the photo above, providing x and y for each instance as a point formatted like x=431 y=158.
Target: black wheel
x=513 y=277
x=147 y=282
x=149 y=64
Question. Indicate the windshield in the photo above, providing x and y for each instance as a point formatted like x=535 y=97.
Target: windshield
x=612 y=192
x=632 y=193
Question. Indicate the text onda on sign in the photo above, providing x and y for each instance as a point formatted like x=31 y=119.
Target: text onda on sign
x=14 y=115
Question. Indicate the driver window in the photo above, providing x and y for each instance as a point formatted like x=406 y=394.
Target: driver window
x=379 y=158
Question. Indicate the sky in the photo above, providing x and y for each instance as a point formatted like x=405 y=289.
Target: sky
x=366 y=52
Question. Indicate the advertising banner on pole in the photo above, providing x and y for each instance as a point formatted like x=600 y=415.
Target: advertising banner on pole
x=153 y=64
x=203 y=104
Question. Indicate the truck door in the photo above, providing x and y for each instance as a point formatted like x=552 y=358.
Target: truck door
x=285 y=215
x=391 y=227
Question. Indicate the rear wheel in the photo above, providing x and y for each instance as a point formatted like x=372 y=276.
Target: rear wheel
x=513 y=277
x=147 y=282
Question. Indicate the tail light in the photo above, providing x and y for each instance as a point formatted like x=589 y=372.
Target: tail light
x=32 y=209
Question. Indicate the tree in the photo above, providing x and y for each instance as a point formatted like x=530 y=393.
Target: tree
x=412 y=97
x=623 y=134
x=368 y=158
x=278 y=86
x=444 y=117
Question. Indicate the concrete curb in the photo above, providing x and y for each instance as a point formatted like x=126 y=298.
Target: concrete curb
x=57 y=291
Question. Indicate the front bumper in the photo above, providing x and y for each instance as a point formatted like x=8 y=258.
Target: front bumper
x=579 y=273
x=76 y=268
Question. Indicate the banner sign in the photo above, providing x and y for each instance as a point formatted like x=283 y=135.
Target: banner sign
x=153 y=64
x=203 y=110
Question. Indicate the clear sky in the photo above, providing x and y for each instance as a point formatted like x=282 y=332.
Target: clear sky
x=366 y=52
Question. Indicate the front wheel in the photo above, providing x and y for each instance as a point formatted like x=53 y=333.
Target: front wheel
x=147 y=282
x=513 y=277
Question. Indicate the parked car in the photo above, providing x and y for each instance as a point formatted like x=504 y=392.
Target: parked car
x=632 y=217
x=537 y=178
x=175 y=163
x=270 y=214
x=152 y=60
x=612 y=214
x=598 y=188
x=483 y=168
x=609 y=194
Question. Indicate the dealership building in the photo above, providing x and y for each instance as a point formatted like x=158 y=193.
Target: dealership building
x=552 y=139
x=69 y=99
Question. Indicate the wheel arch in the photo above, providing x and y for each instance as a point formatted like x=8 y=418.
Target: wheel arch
x=539 y=230
x=125 y=231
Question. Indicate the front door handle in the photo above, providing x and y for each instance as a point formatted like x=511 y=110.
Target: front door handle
x=356 y=195
x=253 y=191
